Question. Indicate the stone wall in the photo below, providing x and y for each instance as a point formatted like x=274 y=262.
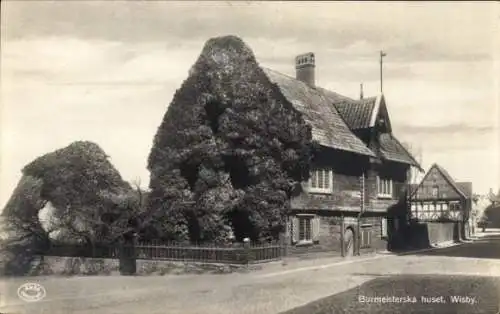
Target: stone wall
x=78 y=266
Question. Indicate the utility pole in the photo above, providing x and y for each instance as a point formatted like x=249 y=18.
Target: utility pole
x=382 y=55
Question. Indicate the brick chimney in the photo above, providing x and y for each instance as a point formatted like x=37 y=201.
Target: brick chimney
x=304 y=66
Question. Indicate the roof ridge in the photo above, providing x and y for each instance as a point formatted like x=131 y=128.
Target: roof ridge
x=328 y=126
x=358 y=101
x=449 y=178
x=305 y=84
x=281 y=73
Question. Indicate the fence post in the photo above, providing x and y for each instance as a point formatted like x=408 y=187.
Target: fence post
x=284 y=238
x=342 y=240
x=246 y=246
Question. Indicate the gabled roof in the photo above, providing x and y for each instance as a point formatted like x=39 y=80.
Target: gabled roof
x=466 y=188
x=448 y=178
x=357 y=113
x=363 y=113
x=316 y=104
x=334 y=117
x=391 y=149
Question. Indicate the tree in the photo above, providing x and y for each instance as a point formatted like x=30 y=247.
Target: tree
x=229 y=152
x=91 y=203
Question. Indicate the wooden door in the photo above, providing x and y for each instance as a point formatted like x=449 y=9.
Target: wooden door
x=349 y=242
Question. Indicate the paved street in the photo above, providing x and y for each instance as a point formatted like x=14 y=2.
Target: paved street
x=422 y=293
x=336 y=283
x=413 y=294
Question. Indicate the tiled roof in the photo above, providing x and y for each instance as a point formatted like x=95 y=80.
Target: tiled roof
x=357 y=113
x=333 y=97
x=333 y=117
x=316 y=104
x=450 y=179
x=392 y=149
x=466 y=188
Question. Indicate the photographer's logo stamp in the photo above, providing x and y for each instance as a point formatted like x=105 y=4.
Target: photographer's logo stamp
x=31 y=292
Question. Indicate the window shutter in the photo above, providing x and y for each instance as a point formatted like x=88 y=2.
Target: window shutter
x=314 y=179
x=295 y=229
x=315 y=228
x=288 y=230
x=384 y=227
x=378 y=185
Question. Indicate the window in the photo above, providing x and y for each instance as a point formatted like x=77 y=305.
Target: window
x=420 y=207
x=365 y=238
x=414 y=210
x=384 y=187
x=384 y=227
x=435 y=191
x=305 y=229
x=454 y=206
x=320 y=181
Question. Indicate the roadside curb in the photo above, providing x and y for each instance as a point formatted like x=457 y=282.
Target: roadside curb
x=378 y=255
x=323 y=266
x=433 y=248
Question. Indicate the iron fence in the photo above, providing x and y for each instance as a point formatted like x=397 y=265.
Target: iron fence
x=204 y=253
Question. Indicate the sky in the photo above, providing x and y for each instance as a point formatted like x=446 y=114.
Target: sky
x=107 y=71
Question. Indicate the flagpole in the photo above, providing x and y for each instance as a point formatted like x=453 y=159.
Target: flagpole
x=382 y=55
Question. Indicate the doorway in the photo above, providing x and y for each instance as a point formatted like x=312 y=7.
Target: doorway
x=349 y=242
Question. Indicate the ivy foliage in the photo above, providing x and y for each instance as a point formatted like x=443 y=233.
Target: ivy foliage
x=229 y=152
x=76 y=175
x=90 y=203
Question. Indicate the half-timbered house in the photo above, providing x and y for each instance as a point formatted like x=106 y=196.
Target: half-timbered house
x=356 y=192
x=440 y=207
